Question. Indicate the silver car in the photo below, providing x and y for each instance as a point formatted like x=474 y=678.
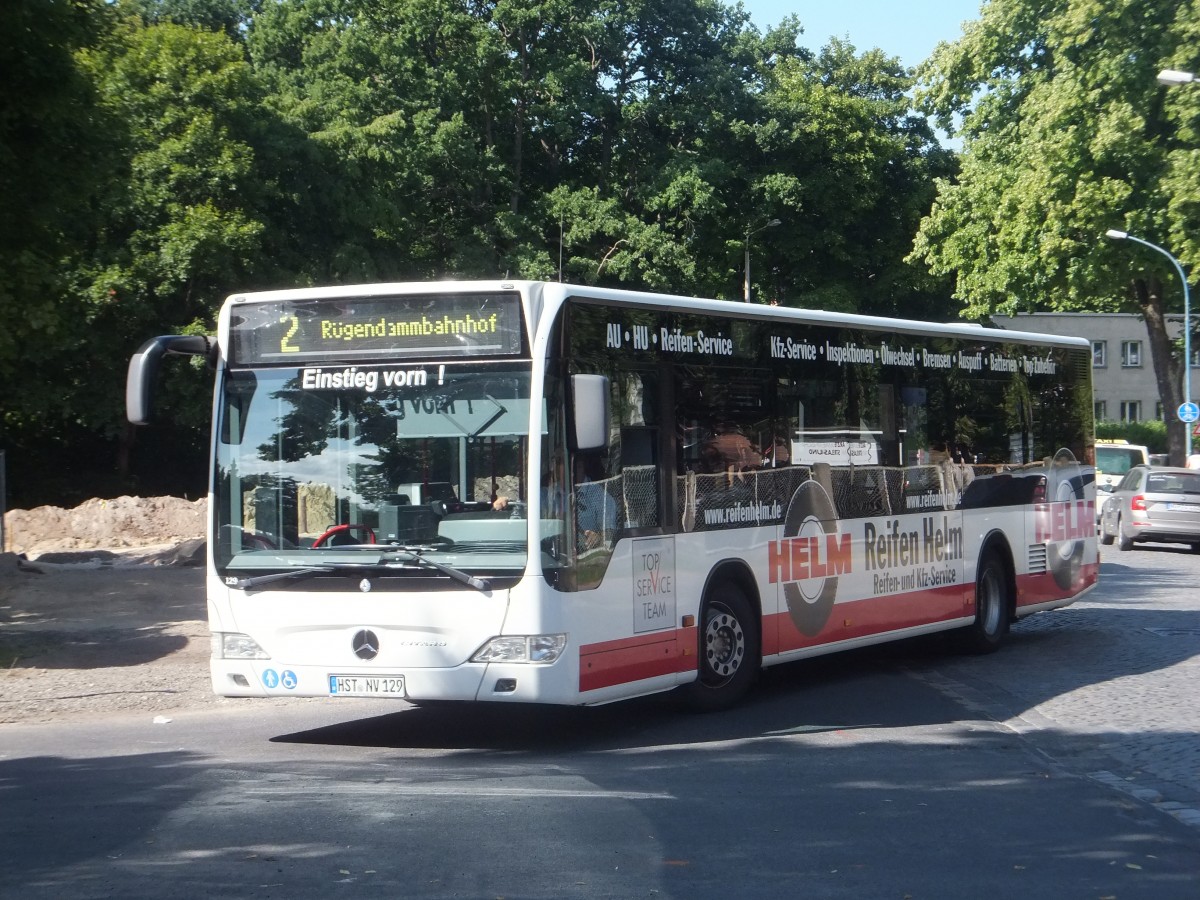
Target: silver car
x=1153 y=503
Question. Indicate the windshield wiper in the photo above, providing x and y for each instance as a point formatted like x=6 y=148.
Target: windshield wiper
x=246 y=584
x=414 y=554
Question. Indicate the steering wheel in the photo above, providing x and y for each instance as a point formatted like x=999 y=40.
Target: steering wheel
x=335 y=530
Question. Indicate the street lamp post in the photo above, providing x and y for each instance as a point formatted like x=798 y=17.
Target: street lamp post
x=1175 y=77
x=749 y=232
x=1116 y=235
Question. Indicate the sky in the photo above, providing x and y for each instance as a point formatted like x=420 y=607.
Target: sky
x=909 y=29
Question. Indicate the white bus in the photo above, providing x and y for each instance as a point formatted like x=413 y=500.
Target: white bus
x=540 y=492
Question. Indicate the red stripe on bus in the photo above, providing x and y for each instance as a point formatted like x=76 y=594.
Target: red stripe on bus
x=1042 y=587
x=878 y=615
x=624 y=660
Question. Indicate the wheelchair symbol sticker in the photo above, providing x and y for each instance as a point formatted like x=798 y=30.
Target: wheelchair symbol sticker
x=288 y=679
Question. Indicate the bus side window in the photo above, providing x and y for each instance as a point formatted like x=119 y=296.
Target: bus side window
x=635 y=460
x=730 y=451
x=639 y=476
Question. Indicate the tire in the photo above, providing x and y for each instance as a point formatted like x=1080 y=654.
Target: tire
x=810 y=514
x=993 y=606
x=729 y=649
x=1123 y=542
x=1105 y=537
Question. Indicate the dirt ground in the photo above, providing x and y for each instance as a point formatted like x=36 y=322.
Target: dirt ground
x=102 y=610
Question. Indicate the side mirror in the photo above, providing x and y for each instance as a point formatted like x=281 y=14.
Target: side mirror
x=143 y=370
x=589 y=413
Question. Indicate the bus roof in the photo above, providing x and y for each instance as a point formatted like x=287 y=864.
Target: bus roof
x=560 y=291
x=554 y=293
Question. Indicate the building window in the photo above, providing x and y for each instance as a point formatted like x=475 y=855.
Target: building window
x=1195 y=355
x=1131 y=410
x=1131 y=354
x=1101 y=410
x=1099 y=354
x=1160 y=411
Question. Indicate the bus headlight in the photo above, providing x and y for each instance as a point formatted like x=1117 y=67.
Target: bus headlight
x=522 y=648
x=231 y=645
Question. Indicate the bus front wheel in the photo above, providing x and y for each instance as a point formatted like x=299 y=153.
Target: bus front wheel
x=729 y=651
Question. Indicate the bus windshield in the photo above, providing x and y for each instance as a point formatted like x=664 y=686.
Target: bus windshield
x=315 y=465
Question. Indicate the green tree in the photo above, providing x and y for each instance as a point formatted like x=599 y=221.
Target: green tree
x=52 y=163
x=179 y=218
x=228 y=16
x=1065 y=135
x=157 y=155
x=629 y=144
x=646 y=189
x=849 y=168
x=399 y=101
x=462 y=134
x=181 y=225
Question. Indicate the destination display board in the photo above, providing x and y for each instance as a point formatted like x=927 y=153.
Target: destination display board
x=379 y=327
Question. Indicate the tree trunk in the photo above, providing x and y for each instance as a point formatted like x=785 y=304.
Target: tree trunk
x=125 y=442
x=1166 y=366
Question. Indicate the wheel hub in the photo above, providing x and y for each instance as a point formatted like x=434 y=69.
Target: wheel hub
x=725 y=644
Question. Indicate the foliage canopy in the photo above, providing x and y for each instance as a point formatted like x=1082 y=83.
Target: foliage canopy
x=1066 y=134
x=165 y=153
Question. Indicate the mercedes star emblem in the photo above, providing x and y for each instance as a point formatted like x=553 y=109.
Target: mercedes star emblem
x=365 y=644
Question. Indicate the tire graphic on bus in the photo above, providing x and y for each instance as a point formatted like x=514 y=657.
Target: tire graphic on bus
x=810 y=514
x=1065 y=485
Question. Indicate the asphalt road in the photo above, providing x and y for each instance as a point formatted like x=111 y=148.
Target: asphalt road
x=1064 y=766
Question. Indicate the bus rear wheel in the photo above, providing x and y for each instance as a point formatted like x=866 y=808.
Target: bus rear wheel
x=993 y=603
x=729 y=649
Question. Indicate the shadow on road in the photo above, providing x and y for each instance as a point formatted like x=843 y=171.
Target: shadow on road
x=1066 y=651
x=845 y=813
x=102 y=649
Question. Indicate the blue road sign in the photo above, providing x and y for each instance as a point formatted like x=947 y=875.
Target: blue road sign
x=1189 y=412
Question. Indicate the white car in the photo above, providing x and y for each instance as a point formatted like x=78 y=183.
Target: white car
x=1113 y=460
x=1153 y=504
